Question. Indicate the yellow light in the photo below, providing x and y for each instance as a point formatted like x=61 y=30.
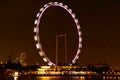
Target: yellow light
x=82 y=72
x=16 y=74
x=15 y=78
x=35 y=22
x=35 y=29
x=45 y=67
x=42 y=53
x=82 y=78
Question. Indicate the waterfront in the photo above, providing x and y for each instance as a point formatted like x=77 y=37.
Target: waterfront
x=89 y=72
x=61 y=78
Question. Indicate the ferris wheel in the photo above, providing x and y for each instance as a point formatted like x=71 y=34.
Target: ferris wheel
x=37 y=37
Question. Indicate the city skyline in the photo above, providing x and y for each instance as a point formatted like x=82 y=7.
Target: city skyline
x=99 y=22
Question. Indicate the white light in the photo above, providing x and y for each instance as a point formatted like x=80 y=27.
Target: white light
x=15 y=78
x=41 y=9
x=65 y=6
x=35 y=29
x=55 y=3
x=78 y=27
x=61 y=4
x=78 y=51
x=73 y=61
x=76 y=21
x=46 y=67
x=50 y=64
x=80 y=45
x=16 y=74
x=45 y=5
x=73 y=15
x=50 y=3
x=37 y=45
x=45 y=59
x=80 y=33
x=76 y=57
x=80 y=39
x=35 y=38
x=70 y=10
x=35 y=22
x=38 y=14
x=41 y=53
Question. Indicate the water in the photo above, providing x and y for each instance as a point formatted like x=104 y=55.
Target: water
x=61 y=78
x=55 y=78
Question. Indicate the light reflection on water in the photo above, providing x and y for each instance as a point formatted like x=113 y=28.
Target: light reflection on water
x=51 y=78
x=63 y=78
x=15 y=78
x=58 y=78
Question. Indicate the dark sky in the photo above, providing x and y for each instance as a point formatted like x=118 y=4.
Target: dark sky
x=100 y=26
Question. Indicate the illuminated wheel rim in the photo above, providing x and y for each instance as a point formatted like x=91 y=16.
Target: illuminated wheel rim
x=36 y=31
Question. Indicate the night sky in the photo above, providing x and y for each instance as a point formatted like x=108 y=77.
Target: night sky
x=100 y=26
